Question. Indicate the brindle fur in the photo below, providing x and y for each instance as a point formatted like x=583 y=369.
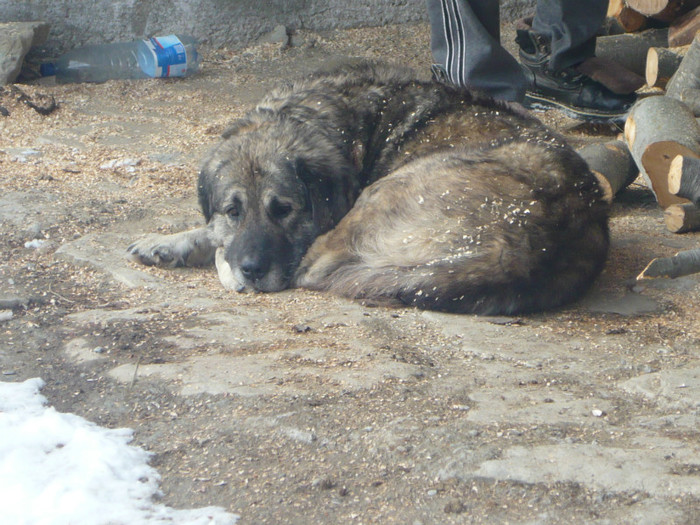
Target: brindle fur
x=368 y=183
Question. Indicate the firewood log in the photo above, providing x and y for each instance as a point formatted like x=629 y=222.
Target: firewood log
x=688 y=73
x=683 y=29
x=661 y=65
x=657 y=129
x=630 y=50
x=663 y=10
x=626 y=18
x=682 y=218
x=684 y=177
x=612 y=161
x=683 y=263
x=648 y=7
x=611 y=74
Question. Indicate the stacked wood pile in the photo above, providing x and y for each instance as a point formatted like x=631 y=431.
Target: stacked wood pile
x=635 y=27
x=661 y=126
x=659 y=41
x=629 y=16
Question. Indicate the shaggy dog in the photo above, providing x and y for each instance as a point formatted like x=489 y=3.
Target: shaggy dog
x=370 y=184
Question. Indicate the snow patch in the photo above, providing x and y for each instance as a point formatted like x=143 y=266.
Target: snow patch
x=58 y=468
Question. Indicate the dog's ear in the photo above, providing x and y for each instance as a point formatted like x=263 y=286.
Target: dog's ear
x=204 y=196
x=315 y=180
x=242 y=125
x=330 y=193
x=319 y=192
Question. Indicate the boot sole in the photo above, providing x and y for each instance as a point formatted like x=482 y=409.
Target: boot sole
x=535 y=101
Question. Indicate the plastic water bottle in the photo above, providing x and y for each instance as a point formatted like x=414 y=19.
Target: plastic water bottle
x=165 y=56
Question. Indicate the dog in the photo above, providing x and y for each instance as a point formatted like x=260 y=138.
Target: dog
x=368 y=183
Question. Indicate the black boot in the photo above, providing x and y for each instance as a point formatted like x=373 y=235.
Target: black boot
x=574 y=93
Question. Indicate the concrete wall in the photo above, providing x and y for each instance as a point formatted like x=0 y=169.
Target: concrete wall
x=233 y=23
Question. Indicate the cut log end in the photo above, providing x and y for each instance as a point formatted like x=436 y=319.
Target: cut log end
x=652 y=72
x=684 y=177
x=648 y=7
x=630 y=131
x=662 y=10
x=674 y=174
x=661 y=65
x=682 y=218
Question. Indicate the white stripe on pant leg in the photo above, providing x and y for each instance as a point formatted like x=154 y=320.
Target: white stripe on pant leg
x=447 y=30
x=459 y=43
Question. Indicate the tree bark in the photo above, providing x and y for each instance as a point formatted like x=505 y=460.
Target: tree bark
x=688 y=73
x=683 y=29
x=691 y=98
x=683 y=263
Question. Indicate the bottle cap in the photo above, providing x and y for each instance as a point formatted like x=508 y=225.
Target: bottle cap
x=48 y=69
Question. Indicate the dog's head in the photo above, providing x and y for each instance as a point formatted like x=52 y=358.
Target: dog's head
x=267 y=191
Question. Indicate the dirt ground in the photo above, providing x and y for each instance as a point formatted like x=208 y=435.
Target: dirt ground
x=300 y=407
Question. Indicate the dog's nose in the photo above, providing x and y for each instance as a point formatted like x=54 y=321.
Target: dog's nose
x=254 y=268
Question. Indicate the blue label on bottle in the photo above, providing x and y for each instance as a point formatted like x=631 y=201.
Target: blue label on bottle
x=168 y=57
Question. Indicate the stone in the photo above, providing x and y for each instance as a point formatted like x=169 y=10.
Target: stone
x=606 y=469
x=23 y=155
x=80 y=351
x=676 y=389
x=279 y=35
x=16 y=39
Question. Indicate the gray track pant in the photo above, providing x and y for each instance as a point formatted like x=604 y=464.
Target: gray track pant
x=465 y=41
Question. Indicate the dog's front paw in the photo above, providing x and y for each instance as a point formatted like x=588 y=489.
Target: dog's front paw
x=155 y=250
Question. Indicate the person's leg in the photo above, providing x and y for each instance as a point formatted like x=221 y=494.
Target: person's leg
x=465 y=46
x=562 y=37
x=571 y=27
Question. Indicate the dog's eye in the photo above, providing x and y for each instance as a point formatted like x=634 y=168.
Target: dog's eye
x=232 y=211
x=278 y=209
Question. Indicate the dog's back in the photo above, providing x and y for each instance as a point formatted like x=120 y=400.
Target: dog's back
x=483 y=210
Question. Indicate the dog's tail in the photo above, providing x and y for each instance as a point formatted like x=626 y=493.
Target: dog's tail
x=476 y=286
